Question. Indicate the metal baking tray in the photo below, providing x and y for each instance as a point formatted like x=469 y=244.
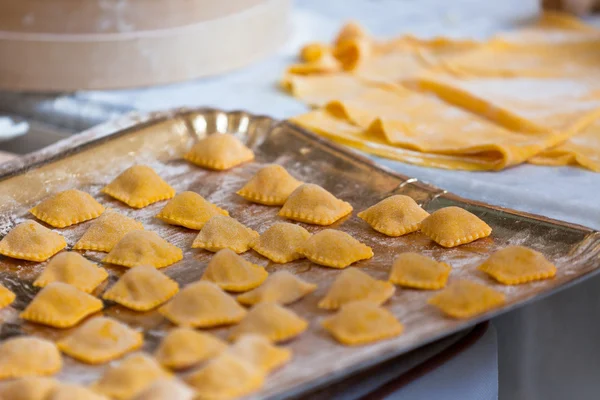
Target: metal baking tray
x=92 y=159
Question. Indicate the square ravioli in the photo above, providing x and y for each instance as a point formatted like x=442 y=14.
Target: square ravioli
x=281 y=241
x=259 y=351
x=166 y=389
x=453 y=226
x=395 y=216
x=128 y=378
x=282 y=287
x=142 y=288
x=106 y=231
x=72 y=268
x=353 y=284
x=67 y=208
x=31 y=241
x=271 y=320
x=28 y=356
x=515 y=265
x=362 y=322
x=190 y=210
x=28 y=388
x=271 y=186
x=138 y=187
x=314 y=205
x=100 y=340
x=226 y=377
x=6 y=296
x=61 y=305
x=219 y=152
x=223 y=232
x=231 y=272
x=465 y=299
x=185 y=347
x=202 y=304
x=419 y=272
x=69 y=391
x=143 y=248
x=335 y=249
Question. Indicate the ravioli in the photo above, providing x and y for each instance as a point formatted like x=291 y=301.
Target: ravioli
x=61 y=305
x=185 y=347
x=419 y=272
x=67 y=391
x=271 y=320
x=72 y=268
x=259 y=351
x=67 y=208
x=31 y=241
x=219 y=152
x=353 y=284
x=28 y=388
x=143 y=248
x=336 y=249
x=190 y=210
x=106 y=231
x=281 y=241
x=223 y=232
x=138 y=187
x=202 y=304
x=231 y=272
x=101 y=340
x=6 y=296
x=282 y=287
x=226 y=377
x=515 y=265
x=394 y=216
x=453 y=226
x=465 y=299
x=142 y=288
x=166 y=389
x=314 y=205
x=271 y=185
x=130 y=377
x=362 y=322
x=28 y=356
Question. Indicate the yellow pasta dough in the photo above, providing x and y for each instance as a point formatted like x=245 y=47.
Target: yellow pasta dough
x=203 y=304
x=28 y=356
x=72 y=268
x=281 y=241
x=106 y=231
x=67 y=391
x=231 y=272
x=61 y=305
x=514 y=265
x=6 y=296
x=67 y=208
x=219 y=152
x=282 y=287
x=314 y=205
x=353 y=284
x=259 y=351
x=223 y=232
x=184 y=347
x=190 y=210
x=100 y=340
x=325 y=64
x=419 y=272
x=166 y=389
x=31 y=241
x=138 y=187
x=336 y=249
x=143 y=248
x=465 y=299
x=272 y=321
x=130 y=377
x=453 y=226
x=271 y=185
x=142 y=288
x=362 y=322
x=394 y=216
x=226 y=377
x=28 y=388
